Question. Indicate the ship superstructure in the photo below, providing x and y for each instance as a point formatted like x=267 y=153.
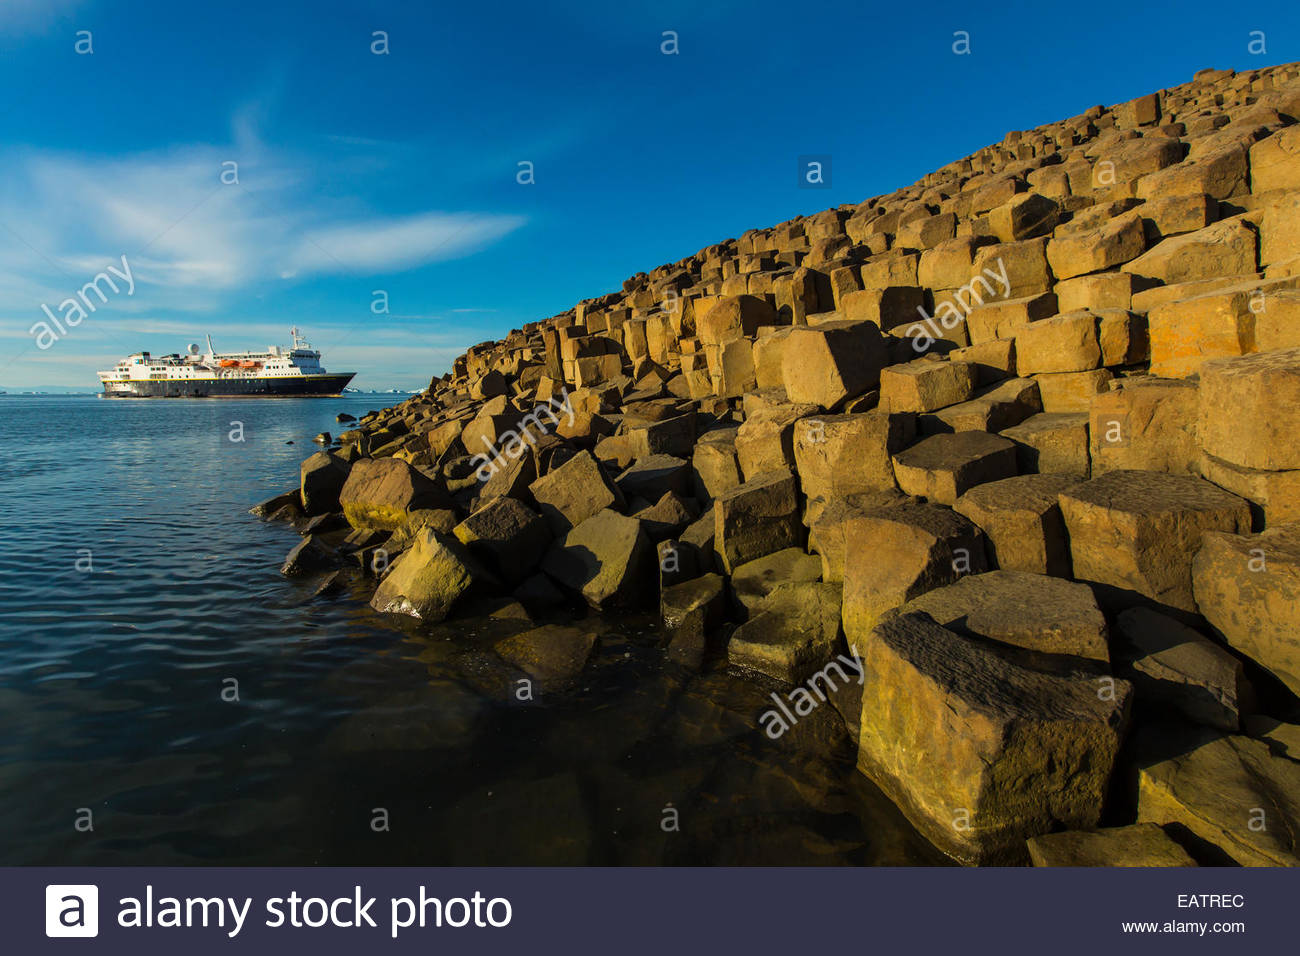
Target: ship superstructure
x=292 y=371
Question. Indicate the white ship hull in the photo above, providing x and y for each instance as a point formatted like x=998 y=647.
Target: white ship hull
x=291 y=372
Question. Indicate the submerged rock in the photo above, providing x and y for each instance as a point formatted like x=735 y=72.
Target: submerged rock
x=333 y=583
x=552 y=654
x=272 y=506
x=692 y=612
x=308 y=556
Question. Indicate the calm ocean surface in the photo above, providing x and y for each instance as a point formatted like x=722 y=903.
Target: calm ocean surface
x=356 y=738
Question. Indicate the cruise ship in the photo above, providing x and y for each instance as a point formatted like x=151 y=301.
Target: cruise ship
x=292 y=371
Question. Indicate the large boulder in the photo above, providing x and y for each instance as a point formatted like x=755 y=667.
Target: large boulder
x=1174 y=666
x=1001 y=318
x=1021 y=518
x=654 y=476
x=765 y=441
x=924 y=385
x=980 y=752
x=1250 y=410
x=755 y=580
x=1230 y=792
x=897 y=552
x=428 y=578
x=1136 y=532
x=829 y=524
x=839 y=455
x=714 y=465
x=1275 y=162
x=667 y=517
x=381 y=493
x=507 y=536
x=1064 y=392
x=1063 y=343
x=664 y=436
x=794 y=632
x=1028 y=611
x=320 y=479
x=1052 y=442
x=992 y=409
x=1139 y=844
x=607 y=558
x=1118 y=241
x=573 y=492
x=733 y=317
x=511 y=479
x=757 y=518
x=1248 y=588
x=943 y=467
x=1187 y=332
x=1149 y=424
x=1224 y=249
x=828 y=363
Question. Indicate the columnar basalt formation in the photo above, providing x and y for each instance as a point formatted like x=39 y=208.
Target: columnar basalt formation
x=895 y=433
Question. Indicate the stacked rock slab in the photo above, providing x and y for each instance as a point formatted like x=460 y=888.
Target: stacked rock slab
x=1070 y=359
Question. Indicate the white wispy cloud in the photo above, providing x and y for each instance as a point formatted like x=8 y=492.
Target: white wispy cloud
x=390 y=244
x=190 y=238
x=201 y=250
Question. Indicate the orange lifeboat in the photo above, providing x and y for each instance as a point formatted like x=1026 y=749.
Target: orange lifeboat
x=250 y=364
x=229 y=363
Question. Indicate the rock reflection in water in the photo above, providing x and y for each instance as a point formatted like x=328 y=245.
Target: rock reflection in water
x=638 y=762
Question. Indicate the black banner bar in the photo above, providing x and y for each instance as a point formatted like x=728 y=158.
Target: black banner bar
x=645 y=911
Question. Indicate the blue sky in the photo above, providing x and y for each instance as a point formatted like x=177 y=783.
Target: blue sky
x=361 y=172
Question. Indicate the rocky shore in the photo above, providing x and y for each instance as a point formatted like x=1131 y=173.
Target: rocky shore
x=1000 y=470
